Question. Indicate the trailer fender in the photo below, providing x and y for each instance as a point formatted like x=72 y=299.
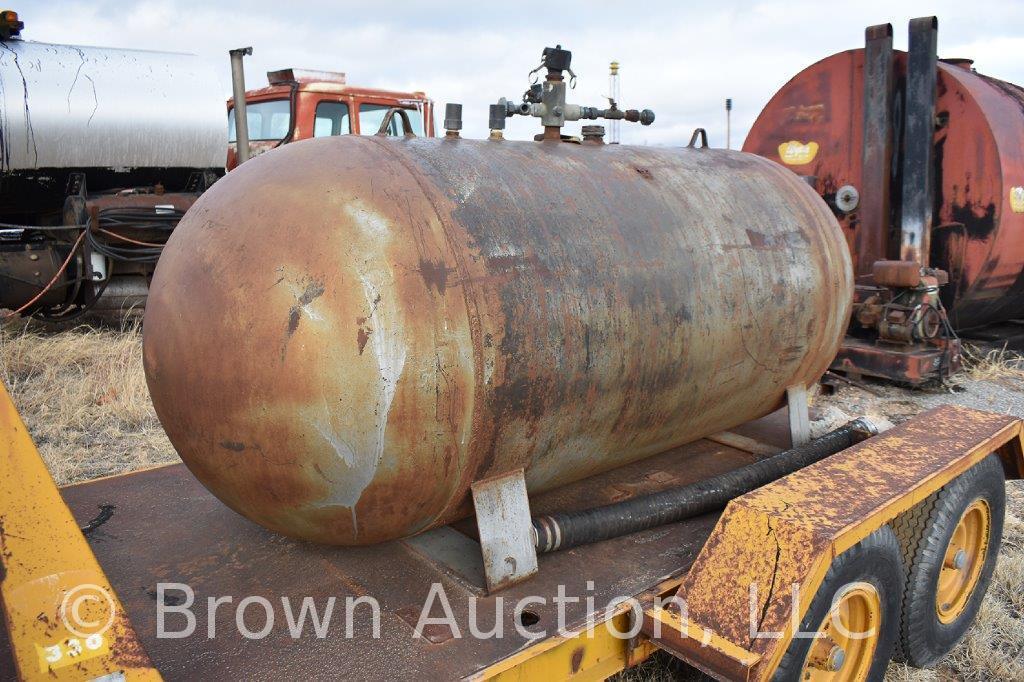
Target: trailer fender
x=760 y=568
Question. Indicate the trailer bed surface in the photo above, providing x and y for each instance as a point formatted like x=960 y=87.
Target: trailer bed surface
x=167 y=528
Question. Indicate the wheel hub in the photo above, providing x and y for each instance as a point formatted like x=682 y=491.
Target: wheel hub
x=845 y=642
x=962 y=563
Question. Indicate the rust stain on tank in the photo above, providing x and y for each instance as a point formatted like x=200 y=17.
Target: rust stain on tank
x=362 y=334
x=542 y=306
x=757 y=239
x=313 y=290
x=435 y=274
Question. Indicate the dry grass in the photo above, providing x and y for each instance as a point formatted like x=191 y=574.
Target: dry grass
x=83 y=396
x=997 y=364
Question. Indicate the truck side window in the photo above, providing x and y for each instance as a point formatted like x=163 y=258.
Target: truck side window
x=269 y=120
x=331 y=119
x=371 y=116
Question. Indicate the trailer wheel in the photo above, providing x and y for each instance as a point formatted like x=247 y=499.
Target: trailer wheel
x=851 y=627
x=950 y=542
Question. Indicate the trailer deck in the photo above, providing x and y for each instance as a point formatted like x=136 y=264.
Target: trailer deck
x=168 y=528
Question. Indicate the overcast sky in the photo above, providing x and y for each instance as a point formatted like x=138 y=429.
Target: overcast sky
x=680 y=59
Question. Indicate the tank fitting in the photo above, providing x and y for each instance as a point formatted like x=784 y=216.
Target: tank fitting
x=452 y=119
x=593 y=134
x=497 y=120
x=547 y=100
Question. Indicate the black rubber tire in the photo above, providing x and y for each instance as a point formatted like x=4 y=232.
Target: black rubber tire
x=924 y=533
x=875 y=560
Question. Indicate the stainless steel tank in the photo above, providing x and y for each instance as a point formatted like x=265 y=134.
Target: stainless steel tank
x=67 y=106
x=345 y=333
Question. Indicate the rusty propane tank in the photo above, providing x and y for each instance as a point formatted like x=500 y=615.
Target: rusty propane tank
x=344 y=334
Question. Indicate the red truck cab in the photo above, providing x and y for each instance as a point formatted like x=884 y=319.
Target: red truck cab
x=299 y=104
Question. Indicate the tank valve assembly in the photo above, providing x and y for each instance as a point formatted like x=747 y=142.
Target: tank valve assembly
x=452 y=119
x=546 y=100
x=497 y=121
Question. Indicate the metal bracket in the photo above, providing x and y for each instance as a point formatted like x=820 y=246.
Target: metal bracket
x=385 y=123
x=799 y=414
x=702 y=135
x=506 y=530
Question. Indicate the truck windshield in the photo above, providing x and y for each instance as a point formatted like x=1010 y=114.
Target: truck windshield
x=372 y=115
x=270 y=120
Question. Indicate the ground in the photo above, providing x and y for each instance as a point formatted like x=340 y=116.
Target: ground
x=83 y=395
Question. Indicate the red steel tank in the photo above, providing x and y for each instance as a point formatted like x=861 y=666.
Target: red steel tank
x=345 y=333
x=815 y=126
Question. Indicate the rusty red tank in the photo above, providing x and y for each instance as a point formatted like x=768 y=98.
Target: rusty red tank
x=815 y=126
x=343 y=334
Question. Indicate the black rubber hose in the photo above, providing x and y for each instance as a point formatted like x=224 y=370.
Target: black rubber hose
x=569 y=529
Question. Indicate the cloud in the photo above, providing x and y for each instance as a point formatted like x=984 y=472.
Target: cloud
x=680 y=59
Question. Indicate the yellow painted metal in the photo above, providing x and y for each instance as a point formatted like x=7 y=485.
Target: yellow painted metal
x=64 y=620
x=778 y=537
x=668 y=630
x=846 y=639
x=964 y=558
x=594 y=652
x=770 y=550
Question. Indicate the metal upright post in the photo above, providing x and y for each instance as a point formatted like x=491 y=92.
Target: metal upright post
x=872 y=235
x=799 y=414
x=241 y=119
x=919 y=128
x=728 y=123
x=614 y=93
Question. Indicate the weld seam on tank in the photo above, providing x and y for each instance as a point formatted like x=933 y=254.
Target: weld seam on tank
x=570 y=529
x=469 y=298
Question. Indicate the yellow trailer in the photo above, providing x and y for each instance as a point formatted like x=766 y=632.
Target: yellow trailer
x=885 y=548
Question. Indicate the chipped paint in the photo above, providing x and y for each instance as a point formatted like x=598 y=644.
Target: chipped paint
x=786 y=533
x=44 y=559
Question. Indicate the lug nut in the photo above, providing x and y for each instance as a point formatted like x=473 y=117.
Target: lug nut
x=836 y=659
x=831 y=662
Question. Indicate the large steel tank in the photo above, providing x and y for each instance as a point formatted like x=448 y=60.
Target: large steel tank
x=814 y=125
x=123 y=117
x=345 y=333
